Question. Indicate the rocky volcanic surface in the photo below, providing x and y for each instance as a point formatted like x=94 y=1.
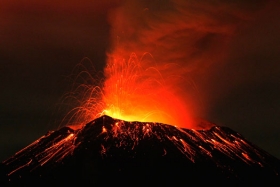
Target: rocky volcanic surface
x=109 y=151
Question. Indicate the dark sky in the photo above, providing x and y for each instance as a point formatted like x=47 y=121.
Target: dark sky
x=230 y=50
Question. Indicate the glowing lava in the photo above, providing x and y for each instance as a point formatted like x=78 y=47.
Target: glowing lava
x=133 y=90
x=135 y=93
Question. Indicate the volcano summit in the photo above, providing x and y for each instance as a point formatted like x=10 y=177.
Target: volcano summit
x=109 y=151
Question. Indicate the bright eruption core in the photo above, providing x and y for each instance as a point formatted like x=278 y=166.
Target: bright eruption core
x=132 y=90
x=136 y=93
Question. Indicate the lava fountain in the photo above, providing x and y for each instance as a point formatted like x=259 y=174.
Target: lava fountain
x=135 y=93
x=131 y=91
x=153 y=62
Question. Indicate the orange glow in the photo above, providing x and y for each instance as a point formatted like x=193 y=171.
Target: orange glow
x=161 y=86
x=136 y=93
x=104 y=130
x=134 y=89
x=155 y=62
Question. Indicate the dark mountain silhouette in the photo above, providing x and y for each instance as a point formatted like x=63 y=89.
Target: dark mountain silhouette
x=109 y=151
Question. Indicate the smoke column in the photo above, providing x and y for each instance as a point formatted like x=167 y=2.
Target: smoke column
x=167 y=44
x=169 y=61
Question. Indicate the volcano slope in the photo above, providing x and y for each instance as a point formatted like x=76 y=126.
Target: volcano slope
x=109 y=151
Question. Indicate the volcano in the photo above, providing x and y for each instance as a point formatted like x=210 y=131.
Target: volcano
x=108 y=151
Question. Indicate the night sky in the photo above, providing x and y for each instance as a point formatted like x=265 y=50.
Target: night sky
x=230 y=50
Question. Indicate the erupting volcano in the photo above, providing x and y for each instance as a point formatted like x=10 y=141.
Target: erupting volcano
x=109 y=151
x=133 y=90
x=134 y=130
x=137 y=125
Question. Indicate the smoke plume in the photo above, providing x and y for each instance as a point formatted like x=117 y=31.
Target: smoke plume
x=186 y=41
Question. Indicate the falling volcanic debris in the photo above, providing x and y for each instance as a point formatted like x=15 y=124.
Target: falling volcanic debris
x=110 y=151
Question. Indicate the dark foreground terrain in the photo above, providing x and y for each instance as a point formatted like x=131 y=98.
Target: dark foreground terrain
x=109 y=152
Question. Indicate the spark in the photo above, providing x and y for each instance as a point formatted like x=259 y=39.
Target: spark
x=133 y=90
x=24 y=165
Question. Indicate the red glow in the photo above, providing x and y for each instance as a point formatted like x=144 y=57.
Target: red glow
x=134 y=89
x=136 y=93
x=157 y=87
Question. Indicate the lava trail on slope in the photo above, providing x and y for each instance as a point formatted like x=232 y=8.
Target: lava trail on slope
x=110 y=151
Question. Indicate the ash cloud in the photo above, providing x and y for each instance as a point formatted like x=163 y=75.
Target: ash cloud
x=197 y=42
